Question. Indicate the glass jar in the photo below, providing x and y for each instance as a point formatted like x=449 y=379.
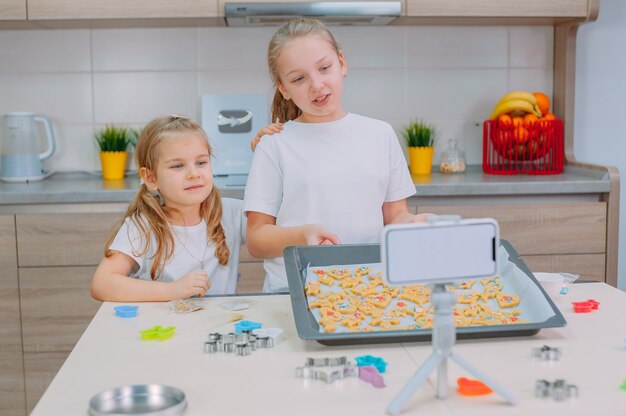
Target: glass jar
x=452 y=159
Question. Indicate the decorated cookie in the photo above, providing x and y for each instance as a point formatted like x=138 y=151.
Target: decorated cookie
x=344 y=307
x=312 y=288
x=362 y=271
x=339 y=273
x=350 y=282
x=507 y=301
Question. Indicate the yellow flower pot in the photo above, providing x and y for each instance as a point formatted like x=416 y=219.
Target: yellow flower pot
x=421 y=160
x=113 y=165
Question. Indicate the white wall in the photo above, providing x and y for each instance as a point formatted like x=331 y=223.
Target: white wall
x=600 y=128
x=83 y=78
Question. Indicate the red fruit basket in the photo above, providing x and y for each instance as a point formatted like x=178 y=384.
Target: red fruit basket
x=532 y=149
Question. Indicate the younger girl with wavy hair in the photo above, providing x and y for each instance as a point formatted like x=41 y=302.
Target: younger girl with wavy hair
x=178 y=238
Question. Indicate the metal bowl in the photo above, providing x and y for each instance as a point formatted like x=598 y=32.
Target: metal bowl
x=139 y=399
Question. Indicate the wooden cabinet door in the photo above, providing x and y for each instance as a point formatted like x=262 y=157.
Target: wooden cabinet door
x=550 y=237
x=11 y=363
x=63 y=239
x=540 y=229
x=120 y=9
x=497 y=8
x=56 y=306
x=251 y=273
x=13 y=10
x=39 y=369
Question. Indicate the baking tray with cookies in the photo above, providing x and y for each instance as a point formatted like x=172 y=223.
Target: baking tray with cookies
x=339 y=297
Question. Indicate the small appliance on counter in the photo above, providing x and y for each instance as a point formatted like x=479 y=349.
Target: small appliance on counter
x=231 y=121
x=20 y=147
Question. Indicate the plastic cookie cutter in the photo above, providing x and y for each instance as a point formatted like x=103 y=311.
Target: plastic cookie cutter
x=157 y=332
x=370 y=374
x=585 y=306
x=247 y=326
x=126 y=311
x=559 y=390
x=379 y=363
x=546 y=353
x=325 y=369
x=469 y=387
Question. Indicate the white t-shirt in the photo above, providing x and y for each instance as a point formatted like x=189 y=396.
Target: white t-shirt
x=337 y=174
x=189 y=248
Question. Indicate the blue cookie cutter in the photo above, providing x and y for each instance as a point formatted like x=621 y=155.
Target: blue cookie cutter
x=126 y=311
x=246 y=326
x=365 y=360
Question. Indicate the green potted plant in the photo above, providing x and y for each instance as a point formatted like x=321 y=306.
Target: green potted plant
x=419 y=137
x=113 y=142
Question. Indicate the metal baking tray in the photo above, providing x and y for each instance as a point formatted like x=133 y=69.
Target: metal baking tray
x=139 y=399
x=299 y=258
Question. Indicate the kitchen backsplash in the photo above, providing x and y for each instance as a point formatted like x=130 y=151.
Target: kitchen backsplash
x=84 y=78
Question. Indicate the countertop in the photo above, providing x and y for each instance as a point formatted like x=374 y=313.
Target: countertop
x=110 y=353
x=63 y=188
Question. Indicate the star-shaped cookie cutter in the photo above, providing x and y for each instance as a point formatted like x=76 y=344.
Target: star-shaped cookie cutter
x=546 y=353
x=559 y=390
x=157 y=332
x=324 y=369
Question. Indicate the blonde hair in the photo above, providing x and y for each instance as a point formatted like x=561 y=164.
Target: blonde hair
x=146 y=211
x=285 y=110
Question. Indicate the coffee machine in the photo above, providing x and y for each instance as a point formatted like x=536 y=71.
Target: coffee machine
x=20 y=147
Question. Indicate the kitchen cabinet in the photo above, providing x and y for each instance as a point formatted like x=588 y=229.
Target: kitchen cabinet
x=13 y=10
x=12 y=395
x=550 y=237
x=119 y=9
x=528 y=12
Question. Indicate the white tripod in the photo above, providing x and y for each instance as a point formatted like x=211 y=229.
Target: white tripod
x=444 y=337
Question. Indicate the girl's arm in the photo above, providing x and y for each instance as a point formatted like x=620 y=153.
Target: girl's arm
x=396 y=212
x=267 y=240
x=111 y=282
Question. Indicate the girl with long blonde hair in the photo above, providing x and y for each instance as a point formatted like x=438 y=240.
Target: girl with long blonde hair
x=326 y=176
x=178 y=238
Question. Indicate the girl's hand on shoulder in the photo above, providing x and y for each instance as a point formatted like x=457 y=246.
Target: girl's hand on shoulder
x=269 y=130
x=317 y=235
x=192 y=284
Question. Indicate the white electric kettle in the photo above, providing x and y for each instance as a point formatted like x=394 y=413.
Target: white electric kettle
x=20 y=157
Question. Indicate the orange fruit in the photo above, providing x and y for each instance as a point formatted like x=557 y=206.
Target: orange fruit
x=518 y=121
x=530 y=119
x=520 y=134
x=548 y=116
x=505 y=119
x=543 y=102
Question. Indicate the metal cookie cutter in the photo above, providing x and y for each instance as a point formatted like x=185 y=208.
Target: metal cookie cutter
x=559 y=390
x=324 y=369
x=239 y=344
x=546 y=353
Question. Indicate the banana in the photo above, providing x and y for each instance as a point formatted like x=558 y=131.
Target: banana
x=508 y=106
x=519 y=95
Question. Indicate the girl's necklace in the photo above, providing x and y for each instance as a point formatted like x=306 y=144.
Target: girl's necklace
x=199 y=260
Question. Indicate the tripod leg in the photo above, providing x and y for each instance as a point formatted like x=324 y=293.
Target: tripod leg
x=416 y=380
x=442 y=379
x=508 y=396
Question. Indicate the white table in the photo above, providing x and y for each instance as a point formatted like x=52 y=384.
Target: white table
x=110 y=353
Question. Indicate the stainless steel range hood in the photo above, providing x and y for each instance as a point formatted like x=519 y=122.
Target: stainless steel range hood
x=330 y=12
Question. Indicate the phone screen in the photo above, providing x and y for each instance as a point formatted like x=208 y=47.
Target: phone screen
x=440 y=252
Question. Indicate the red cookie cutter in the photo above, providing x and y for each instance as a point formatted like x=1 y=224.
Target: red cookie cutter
x=585 y=306
x=468 y=387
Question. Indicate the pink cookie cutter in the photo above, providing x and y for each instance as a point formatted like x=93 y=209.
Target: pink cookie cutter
x=370 y=374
